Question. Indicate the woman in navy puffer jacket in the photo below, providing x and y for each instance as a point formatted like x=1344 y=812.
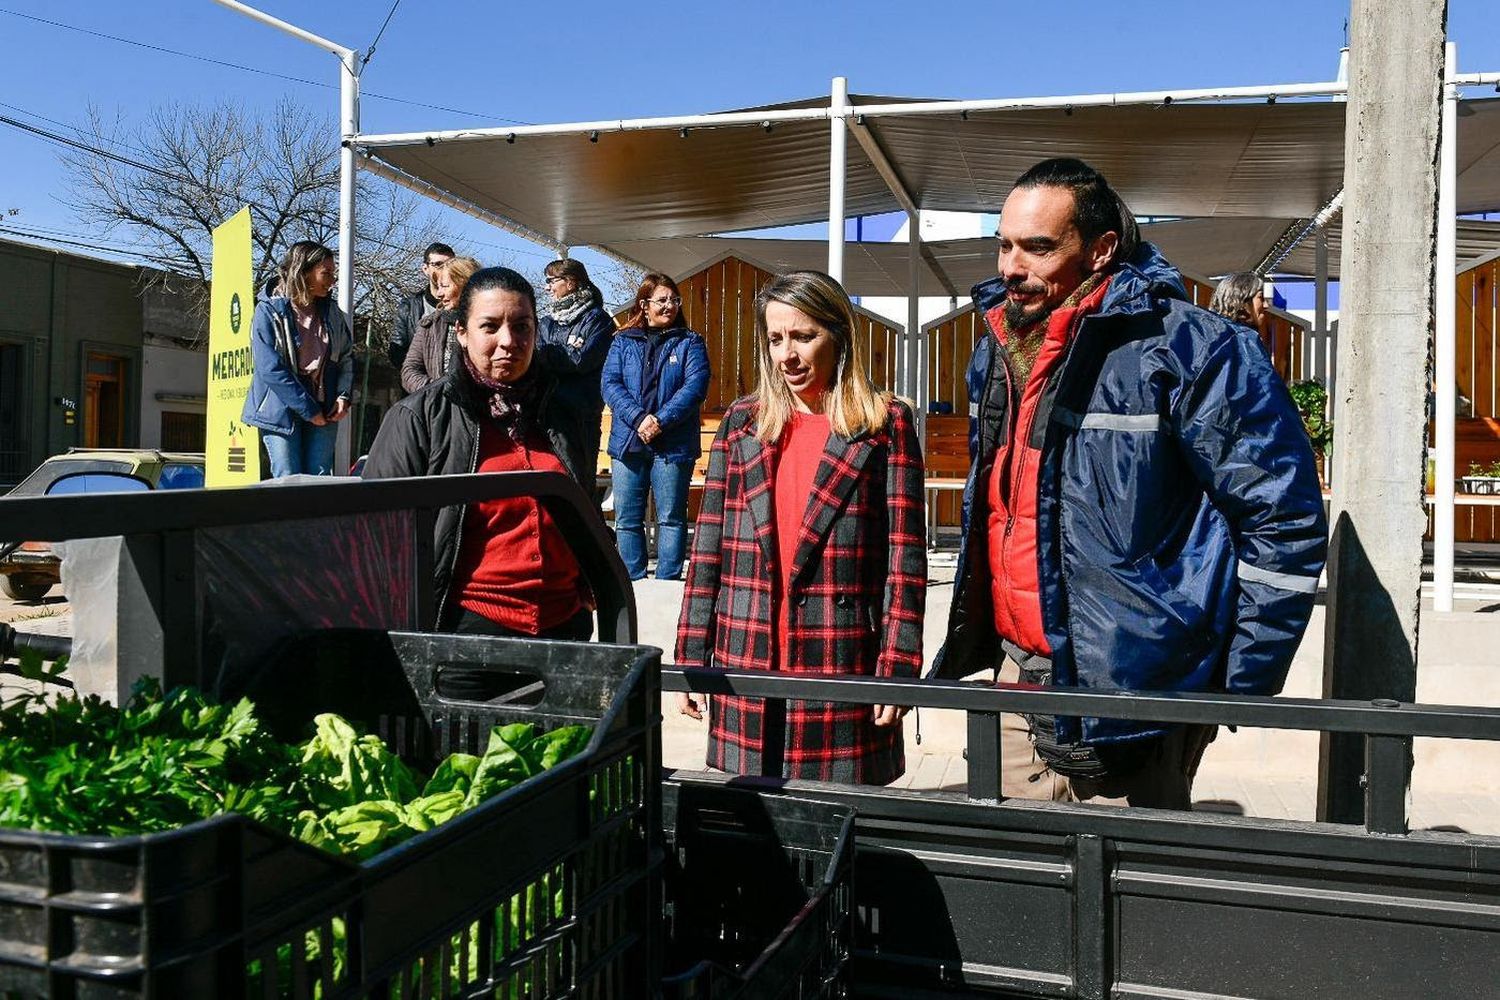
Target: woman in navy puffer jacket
x=654 y=381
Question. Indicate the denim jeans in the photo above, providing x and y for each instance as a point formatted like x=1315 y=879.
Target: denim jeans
x=668 y=482
x=306 y=450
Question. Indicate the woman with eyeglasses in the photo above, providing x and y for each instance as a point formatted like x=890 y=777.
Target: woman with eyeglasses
x=810 y=556
x=431 y=353
x=576 y=332
x=655 y=380
x=304 y=365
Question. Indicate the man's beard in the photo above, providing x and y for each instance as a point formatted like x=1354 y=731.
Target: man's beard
x=1016 y=316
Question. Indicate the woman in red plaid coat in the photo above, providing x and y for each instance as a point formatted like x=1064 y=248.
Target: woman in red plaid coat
x=809 y=555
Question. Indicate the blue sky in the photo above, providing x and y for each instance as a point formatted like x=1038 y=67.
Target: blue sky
x=585 y=60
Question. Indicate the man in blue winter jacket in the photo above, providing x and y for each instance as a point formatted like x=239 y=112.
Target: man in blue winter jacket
x=1142 y=510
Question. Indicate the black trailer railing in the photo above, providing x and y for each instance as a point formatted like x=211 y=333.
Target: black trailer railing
x=201 y=572
x=975 y=896
x=1386 y=725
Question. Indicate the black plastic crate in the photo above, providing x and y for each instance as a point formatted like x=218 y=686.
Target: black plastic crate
x=550 y=889
x=758 y=895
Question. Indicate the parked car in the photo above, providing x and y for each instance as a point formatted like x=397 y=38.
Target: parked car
x=29 y=570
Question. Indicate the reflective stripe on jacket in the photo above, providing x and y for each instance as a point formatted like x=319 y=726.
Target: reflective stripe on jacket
x=1180 y=525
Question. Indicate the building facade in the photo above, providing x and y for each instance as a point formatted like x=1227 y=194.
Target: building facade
x=90 y=358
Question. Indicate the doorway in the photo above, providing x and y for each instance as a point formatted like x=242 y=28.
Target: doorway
x=15 y=449
x=104 y=402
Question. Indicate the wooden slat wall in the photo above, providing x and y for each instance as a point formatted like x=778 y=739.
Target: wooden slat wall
x=1482 y=304
x=719 y=302
x=1477 y=436
x=1283 y=340
x=950 y=345
x=1464 y=337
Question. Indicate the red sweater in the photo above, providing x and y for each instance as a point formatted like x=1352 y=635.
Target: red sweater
x=514 y=567
x=1014 y=577
x=798 y=455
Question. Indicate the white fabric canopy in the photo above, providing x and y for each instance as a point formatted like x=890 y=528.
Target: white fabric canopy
x=1255 y=161
x=952 y=267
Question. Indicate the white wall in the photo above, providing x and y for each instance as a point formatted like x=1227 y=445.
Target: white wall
x=935 y=226
x=173 y=371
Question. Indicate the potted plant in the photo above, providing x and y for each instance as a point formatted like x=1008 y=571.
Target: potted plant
x=1481 y=479
x=1311 y=400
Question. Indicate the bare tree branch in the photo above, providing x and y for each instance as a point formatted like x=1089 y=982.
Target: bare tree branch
x=203 y=162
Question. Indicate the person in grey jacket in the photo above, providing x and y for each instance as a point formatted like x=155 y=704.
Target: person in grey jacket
x=304 y=365
x=418 y=304
x=431 y=354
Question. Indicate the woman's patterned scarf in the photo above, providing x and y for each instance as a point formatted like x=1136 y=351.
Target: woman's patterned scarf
x=511 y=404
x=573 y=305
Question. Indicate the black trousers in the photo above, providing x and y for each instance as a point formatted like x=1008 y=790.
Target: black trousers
x=480 y=685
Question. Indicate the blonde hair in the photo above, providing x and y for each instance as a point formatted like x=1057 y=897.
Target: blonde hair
x=459 y=270
x=854 y=406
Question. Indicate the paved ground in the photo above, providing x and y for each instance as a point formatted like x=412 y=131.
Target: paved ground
x=1456 y=784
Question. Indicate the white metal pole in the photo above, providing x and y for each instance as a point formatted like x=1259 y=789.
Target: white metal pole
x=1321 y=359
x=914 y=323
x=348 y=175
x=838 y=137
x=1323 y=356
x=349 y=62
x=1445 y=352
x=289 y=28
x=348 y=172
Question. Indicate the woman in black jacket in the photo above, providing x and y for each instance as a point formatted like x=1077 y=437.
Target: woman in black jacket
x=501 y=567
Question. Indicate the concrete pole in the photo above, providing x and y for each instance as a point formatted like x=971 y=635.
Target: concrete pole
x=1386 y=315
x=1445 y=350
x=838 y=139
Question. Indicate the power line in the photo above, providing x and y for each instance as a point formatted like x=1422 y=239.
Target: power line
x=168 y=175
x=85 y=147
x=85 y=244
x=370 y=51
x=256 y=69
x=81 y=133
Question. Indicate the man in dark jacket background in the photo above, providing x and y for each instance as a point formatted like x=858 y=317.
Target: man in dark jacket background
x=1142 y=510
x=418 y=304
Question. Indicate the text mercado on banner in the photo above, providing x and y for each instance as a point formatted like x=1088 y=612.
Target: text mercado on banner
x=233 y=447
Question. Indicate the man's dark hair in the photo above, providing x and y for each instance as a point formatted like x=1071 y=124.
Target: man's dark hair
x=1097 y=209
x=441 y=248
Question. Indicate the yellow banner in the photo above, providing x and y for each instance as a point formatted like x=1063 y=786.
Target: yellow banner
x=233 y=449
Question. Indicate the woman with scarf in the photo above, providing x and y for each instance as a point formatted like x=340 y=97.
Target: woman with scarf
x=304 y=365
x=501 y=567
x=575 y=332
x=810 y=556
x=655 y=380
x=431 y=353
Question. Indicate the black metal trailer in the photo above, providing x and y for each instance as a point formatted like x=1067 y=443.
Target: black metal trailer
x=954 y=895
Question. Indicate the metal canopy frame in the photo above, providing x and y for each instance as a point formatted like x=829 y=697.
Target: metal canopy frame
x=841 y=112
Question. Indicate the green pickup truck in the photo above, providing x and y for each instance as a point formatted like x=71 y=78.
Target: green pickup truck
x=30 y=569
